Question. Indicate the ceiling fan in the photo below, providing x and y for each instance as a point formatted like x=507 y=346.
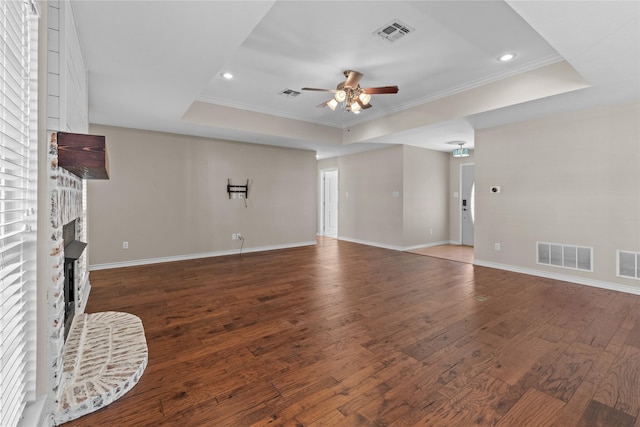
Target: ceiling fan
x=349 y=92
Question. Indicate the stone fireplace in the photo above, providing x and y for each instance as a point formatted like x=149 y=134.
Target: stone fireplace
x=93 y=359
x=77 y=382
x=67 y=207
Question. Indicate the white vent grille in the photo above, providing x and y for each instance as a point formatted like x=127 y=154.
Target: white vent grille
x=629 y=264
x=393 y=30
x=289 y=93
x=565 y=256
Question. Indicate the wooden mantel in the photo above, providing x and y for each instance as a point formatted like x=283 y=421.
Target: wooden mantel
x=83 y=155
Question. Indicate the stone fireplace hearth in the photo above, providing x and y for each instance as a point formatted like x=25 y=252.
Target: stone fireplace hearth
x=105 y=355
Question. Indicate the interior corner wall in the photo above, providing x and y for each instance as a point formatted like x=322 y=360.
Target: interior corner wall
x=454 y=201
x=370 y=197
x=571 y=179
x=425 y=201
x=167 y=197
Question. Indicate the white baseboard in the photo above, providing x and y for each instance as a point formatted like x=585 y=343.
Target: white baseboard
x=562 y=277
x=426 y=245
x=368 y=243
x=147 y=261
x=392 y=247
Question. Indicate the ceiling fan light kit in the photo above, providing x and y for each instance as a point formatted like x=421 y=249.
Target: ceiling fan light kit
x=332 y=103
x=461 y=152
x=350 y=95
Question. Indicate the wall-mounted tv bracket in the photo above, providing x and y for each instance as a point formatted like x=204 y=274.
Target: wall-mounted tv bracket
x=242 y=189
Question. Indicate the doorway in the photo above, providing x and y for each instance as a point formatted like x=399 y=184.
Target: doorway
x=467 y=204
x=329 y=203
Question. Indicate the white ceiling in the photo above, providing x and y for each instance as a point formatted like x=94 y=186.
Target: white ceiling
x=157 y=65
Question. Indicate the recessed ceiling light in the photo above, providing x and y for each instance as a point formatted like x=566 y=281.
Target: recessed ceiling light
x=227 y=75
x=506 y=57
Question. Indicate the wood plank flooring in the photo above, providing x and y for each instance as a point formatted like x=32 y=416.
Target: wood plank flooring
x=459 y=253
x=341 y=334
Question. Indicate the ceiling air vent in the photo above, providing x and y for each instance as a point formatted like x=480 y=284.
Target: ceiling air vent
x=289 y=93
x=393 y=30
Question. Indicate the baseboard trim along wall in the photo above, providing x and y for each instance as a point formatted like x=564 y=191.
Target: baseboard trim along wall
x=135 y=263
x=426 y=245
x=563 y=277
x=368 y=243
x=392 y=247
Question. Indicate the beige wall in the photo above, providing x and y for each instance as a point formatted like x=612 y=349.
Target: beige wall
x=454 y=202
x=570 y=179
x=167 y=197
x=545 y=81
x=368 y=210
x=426 y=183
x=397 y=196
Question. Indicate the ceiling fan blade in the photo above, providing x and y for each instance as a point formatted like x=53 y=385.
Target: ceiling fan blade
x=324 y=104
x=353 y=78
x=380 y=90
x=319 y=90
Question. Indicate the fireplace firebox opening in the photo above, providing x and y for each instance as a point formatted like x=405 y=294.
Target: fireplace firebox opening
x=72 y=251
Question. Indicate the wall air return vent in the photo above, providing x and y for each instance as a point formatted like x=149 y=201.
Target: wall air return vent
x=393 y=30
x=628 y=264
x=565 y=256
x=289 y=93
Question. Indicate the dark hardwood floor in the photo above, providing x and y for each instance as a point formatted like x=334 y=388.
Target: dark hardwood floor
x=346 y=335
x=460 y=253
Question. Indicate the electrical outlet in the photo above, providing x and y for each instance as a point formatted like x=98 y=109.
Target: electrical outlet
x=234 y=236
x=125 y=245
x=497 y=246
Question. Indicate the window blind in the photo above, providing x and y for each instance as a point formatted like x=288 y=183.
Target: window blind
x=15 y=140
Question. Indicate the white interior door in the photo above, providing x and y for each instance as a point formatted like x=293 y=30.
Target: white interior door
x=330 y=203
x=467 y=190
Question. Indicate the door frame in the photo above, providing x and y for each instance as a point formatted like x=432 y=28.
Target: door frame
x=323 y=173
x=460 y=219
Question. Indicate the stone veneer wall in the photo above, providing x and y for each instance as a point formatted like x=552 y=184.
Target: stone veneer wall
x=66 y=192
x=67 y=110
